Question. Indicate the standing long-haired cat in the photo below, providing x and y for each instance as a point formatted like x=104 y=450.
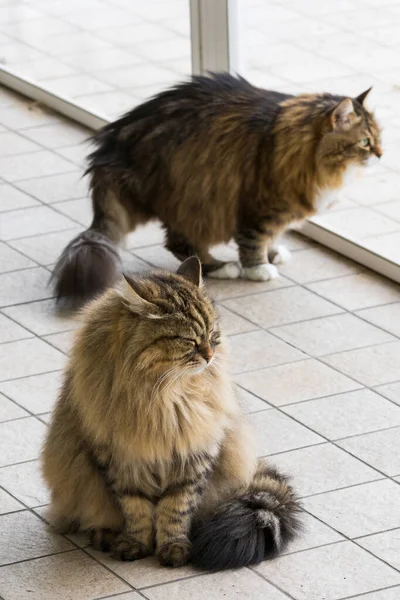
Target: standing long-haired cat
x=147 y=448
x=214 y=159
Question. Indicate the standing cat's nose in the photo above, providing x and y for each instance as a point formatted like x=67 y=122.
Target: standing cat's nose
x=207 y=352
x=378 y=151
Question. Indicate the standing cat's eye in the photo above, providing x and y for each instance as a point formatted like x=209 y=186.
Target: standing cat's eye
x=364 y=143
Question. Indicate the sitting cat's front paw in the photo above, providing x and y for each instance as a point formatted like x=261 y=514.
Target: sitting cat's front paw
x=126 y=547
x=174 y=554
x=263 y=272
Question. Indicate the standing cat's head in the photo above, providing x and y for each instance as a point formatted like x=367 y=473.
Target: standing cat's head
x=175 y=323
x=350 y=136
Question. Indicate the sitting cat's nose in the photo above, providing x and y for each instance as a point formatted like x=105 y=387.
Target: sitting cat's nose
x=207 y=353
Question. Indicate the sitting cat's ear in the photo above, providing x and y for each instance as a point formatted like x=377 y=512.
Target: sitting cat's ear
x=190 y=269
x=135 y=294
x=362 y=96
x=343 y=116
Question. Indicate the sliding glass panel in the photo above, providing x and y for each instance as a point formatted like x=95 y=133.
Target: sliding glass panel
x=105 y=55
x=340 y=47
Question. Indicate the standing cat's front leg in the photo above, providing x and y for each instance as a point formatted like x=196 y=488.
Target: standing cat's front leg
x=137 y=538
x=174 y=516
x=254 y=248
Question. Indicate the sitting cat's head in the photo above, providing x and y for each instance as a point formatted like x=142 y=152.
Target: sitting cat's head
x=175 y=323
x=351 y=135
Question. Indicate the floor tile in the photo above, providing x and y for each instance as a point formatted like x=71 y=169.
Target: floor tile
x=362 y=290
x=24 y=482
x=223 y=289
x=259 y=349
x=370 y=192
x=295 y=382
x=391 y=391
x=62 y=341
x=58 y=135
x=268 y=427
x=41 y=317
x=343 y=570
x=358 y=223
x=281 y=306
x=145 y=572
x=8 y=504
x=43 y=68
x=26 y=536
x=248 y=402
x=158 y=257
x=331 y=334
x=36 y=393
x=28 y=357
x=80 y=577
x=323 y=468
x=77 y=154
x=20 y=440
x=344 y=415
x=26 y=114
x=380 y=449
x=313 y=534
x=80 y=210
x=55 y=188
x=24 y=286
x=212 y=587
x=10 y=260
x=32 y=221
x=46 y=248
x=12 y=143
x=9 y=410
x=375 y=506
x=232 y=324
x=11 y=331
x=315 y=264
x=387 y=594
x=132 y=264
x=371 y=366
x=74 y=86
x=387 y=317
x=11 y=198
x=39 y=164
x=385 y=546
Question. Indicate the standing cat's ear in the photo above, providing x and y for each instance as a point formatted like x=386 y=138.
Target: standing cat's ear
x=344 y=116
x=190 y=269
x=135 y=294
x=362 y=96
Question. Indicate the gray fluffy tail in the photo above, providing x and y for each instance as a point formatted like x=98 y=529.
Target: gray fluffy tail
x=250 y=528
x=88 y=265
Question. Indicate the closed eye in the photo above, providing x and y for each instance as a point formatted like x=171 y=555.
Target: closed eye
x=215 y=339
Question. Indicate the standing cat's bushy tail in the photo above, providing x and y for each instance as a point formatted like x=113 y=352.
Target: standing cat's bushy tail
x=250 y=527
x=90 y=263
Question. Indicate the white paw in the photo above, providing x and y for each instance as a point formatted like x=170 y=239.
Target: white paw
x=228 y=271
x=263 y=272
x=283 y=255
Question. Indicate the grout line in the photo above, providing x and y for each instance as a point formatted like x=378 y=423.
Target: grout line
x=271 y=583
x=345 y=487
x=366 y=594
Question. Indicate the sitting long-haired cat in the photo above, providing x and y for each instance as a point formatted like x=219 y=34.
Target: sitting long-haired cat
x=147 y=448
x=214 y=159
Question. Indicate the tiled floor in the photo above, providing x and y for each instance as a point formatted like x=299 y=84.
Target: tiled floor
x=315 y=354
x=109 y=55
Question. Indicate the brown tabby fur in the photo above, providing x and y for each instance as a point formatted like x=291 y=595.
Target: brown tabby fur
x=214 y=159
x=146 y=437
